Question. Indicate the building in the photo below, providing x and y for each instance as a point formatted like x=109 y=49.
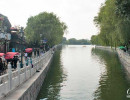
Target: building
x=17 y=40
x=11 y=38
x=5 y=35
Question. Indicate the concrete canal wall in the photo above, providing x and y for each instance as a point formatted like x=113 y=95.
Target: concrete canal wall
x=106 y=48
x=26 y=84
x=123 y=56
x=125 y=60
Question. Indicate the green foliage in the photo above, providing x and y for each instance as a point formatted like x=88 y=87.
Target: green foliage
x=114 y=30
x=123 y=9
x=45 y=26
x=74 y=41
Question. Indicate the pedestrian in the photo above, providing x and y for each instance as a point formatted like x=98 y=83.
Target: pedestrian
x=5 y=66
x=30 y=54
x=37 y=52
x=1 y=66
x=27 y=60
x=31 y=62
x=26 y=55
x=12 y=63
x=15 y=62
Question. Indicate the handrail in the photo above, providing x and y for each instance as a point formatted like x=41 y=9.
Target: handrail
x=12 y=79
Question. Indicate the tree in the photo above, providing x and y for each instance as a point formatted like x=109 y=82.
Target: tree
x=123 y=9
x=45 y=26
x=73 y=41
x=114 y=30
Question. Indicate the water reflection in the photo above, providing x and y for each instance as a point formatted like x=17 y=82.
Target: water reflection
x=83 y=73
x=112 y=84
x=52 y=84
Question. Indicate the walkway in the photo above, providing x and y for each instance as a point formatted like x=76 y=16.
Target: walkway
x=13 y=81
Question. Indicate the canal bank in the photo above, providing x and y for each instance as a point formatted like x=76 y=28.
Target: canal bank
x=125 y=60
x=29 y=88
x=123 y=56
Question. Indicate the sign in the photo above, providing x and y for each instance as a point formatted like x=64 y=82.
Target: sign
x=44 y=41
x=13 y=49
x=2 y=35
x=8 y=36
x=5 y=36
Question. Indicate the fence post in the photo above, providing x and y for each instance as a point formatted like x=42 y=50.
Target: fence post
x=30 y=66
x=18 y=64
x=38 y=62
x=25 y=70
x=9 y=76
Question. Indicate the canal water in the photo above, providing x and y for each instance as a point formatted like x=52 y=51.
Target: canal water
x=84 y=73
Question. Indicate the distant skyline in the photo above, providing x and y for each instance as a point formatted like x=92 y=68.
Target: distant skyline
x=77 y=14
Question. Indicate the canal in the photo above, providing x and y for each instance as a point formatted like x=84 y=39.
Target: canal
x=84 y=73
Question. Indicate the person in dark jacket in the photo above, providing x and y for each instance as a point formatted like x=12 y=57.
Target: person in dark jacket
x=15 y=59
x=1 y=66
x=35 y=52
x=5 y=67
x=12 y=63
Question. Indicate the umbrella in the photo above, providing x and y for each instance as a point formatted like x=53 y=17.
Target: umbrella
x=122 y=47
x=10 y=55
x=2 y=54
x=28 y=50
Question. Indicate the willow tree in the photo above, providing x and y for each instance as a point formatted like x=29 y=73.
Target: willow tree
x=106 y=21
x=114 y=28
x=123 y=12
x=45 y=26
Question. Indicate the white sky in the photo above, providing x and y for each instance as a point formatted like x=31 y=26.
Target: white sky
x=77 y=14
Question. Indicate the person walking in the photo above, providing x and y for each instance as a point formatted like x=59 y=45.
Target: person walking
x=12 y=63
x=5 y=67
x=1 y=66
x=27 y=61
x=35 y=52
x=31 y=62
x=15 y=62
x=26 y=55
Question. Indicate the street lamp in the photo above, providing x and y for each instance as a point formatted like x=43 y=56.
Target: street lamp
x=5 y=44
x=44 y=42
x=21 y=33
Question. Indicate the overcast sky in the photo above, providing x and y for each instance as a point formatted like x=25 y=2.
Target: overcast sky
x=77 y=14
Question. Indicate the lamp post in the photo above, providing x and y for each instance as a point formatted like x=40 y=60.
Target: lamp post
x=44 y=42
x=21 y=33
x=40 y=39
x=5 y=47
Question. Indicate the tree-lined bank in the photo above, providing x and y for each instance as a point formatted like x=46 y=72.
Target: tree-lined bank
x=73 y=41
x=113 y=21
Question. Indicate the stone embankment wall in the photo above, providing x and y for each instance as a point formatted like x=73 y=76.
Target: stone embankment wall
x=125 y=60
x=106 y=48
x=28 y=89
x=123 y=56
